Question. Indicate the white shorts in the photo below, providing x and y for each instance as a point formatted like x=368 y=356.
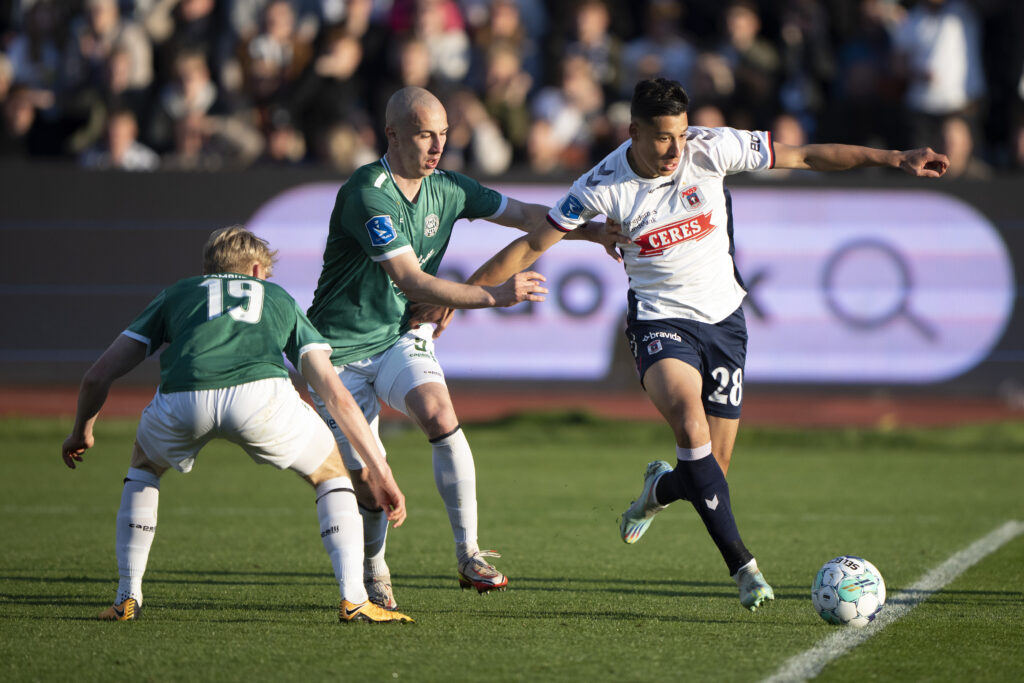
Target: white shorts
x=387 y=376
x=267 y=418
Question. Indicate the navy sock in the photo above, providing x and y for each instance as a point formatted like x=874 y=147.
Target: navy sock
x=702 y=483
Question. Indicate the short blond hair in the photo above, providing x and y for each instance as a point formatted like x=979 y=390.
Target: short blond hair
x=234 y=249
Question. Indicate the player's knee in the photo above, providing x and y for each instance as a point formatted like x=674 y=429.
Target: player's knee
x=691 y=431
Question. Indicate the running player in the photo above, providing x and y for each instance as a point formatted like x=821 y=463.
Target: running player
x=223 y=376
x=388 y=232
x=685 y=326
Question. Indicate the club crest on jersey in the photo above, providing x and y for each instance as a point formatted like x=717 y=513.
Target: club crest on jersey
x=571 y=208
x=692 y=197
x=430 y=225
x=381 y=230
x=655 y=242
x=654 y=347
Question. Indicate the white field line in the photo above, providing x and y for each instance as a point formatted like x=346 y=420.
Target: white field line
x=810 y=663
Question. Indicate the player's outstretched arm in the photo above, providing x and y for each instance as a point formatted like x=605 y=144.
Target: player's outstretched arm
x=316 y=368
x=119 y=358
x=532 y=218
x=421 y=287
x=925 y=162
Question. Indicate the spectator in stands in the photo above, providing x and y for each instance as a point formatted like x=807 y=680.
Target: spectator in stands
x=285 y=143
x=505 y=92
x=938 y=50
x=192 y=26
x=504 y=25
x=707 y=115
x=474 y=139
x=660 y=51
x=35 y=54
x=246 y=17
x=212 y=143
x=595 y=43
x=96 y=36
x=88 y=109
x=447 y=42
x=346 y=147
x=121 y=150
x=191 y=92
x=567 y=119
x=864 y=108
x=808 y=59
x=958 y=145
x=373 y=41
x=755 y=67
x=328 y=92
x=23 y=134
x=273 y=59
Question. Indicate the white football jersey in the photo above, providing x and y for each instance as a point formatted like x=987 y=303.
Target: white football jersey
x=679 y=263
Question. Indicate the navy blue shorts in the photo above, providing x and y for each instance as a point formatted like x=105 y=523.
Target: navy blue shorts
x=718 y=352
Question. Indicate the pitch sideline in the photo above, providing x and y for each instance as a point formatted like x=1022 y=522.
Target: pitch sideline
x=810 y=663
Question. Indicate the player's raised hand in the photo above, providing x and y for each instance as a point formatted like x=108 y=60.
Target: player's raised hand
x=524 y=286
x=924 y=162
x=74 y=447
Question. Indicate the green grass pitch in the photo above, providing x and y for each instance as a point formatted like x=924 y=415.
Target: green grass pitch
x=239 y=587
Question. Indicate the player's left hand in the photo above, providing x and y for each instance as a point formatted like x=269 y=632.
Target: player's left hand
x=439 y=316
x=606 y=234
x=924 y=162
x=74 y=447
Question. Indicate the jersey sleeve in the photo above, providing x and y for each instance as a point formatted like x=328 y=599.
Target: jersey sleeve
x=303 y=339
x=576 y=207
x=481 y=202
x=369 y=219
x=736 y=151
x=150 y=326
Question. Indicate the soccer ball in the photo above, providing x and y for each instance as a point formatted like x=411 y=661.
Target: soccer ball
x=848 y=591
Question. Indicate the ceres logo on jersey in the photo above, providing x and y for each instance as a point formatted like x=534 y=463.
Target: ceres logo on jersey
x=655 y=242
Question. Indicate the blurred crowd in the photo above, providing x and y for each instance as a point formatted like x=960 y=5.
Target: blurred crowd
x=541 y=86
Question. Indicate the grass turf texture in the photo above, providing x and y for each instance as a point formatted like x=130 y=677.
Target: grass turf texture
x=239 y=587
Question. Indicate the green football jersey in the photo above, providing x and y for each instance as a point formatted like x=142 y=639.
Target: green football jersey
x=223 y=330
x=356 y=305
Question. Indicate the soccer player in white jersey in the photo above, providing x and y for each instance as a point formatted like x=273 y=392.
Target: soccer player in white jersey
x=685 y=326
x=223 y=376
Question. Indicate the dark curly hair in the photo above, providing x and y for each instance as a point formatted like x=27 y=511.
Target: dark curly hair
x=658 y=97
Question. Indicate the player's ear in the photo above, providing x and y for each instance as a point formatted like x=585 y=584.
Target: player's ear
x=258 y=271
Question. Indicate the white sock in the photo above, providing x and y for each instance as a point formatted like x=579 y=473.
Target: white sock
x=375 y=537
x=455 y=476
x=136 y=526
x=342 y=534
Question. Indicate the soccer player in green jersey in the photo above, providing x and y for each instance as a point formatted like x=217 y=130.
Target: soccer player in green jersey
x=388 y=232
x=222 y=375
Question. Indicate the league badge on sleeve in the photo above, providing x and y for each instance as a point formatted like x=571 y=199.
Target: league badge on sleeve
x=381 y=230
x=693 y=198
x=571 y=208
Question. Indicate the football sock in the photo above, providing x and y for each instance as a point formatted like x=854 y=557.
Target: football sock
x=136 y=526
x=670 y=487
x=375 y=536
x=455 y=477
x=703 y=484
x=341 y=531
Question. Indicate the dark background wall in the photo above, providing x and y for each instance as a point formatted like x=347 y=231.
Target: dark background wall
x=83 y=252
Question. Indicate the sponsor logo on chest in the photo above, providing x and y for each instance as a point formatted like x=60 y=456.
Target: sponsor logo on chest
x=430 y=225
x=655 y=242
x=692 y=197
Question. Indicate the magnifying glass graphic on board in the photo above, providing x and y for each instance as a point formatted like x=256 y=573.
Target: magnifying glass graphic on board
x=867 y=285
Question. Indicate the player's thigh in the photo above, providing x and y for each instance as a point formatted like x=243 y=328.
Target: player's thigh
x=410 y=370
x=274 y=426
x=358 y=379
x=174 y=428
x=674 y=388
x=723 y=346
